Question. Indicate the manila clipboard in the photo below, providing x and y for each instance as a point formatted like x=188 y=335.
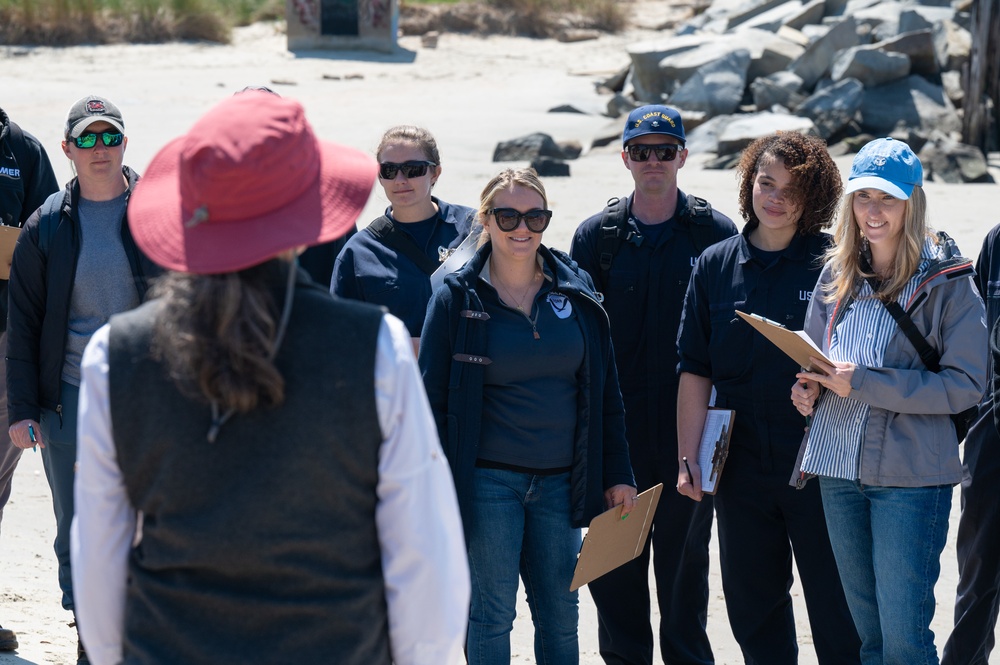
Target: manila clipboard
x=8 y=238
x=612 y=541
x=795 y=343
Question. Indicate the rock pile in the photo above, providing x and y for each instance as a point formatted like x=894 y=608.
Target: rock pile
x=839 y=69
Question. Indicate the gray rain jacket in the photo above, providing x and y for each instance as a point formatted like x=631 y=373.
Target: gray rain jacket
x=909 y=440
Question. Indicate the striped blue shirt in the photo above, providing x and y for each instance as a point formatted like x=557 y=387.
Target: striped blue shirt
x=860 y=337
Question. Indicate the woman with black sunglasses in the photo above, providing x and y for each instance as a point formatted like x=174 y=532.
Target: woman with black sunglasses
x=389 y=263
x=517 y=362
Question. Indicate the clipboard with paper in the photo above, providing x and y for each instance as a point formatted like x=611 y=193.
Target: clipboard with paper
x=612 y=541
x=714 y=446
x=796 y=344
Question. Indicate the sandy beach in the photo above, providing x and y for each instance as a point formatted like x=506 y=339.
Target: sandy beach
x=470 y=92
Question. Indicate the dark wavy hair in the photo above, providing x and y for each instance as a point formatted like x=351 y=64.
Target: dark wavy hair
x=214 y=333
x=816 y=178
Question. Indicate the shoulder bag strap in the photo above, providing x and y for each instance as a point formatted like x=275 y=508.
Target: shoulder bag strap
x=387 y=233
x=930 y=357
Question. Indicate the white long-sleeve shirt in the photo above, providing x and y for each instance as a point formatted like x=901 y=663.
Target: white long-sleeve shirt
x=419 y=528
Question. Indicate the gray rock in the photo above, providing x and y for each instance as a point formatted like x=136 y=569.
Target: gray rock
x=952 y=84
x=722 y=162
x=810 y=12
x=610 y=133
x=677 y=68
x=717 y=87
x=616 y=82
x=911 y=21
x=549 y=167
x=566 y=108
x=919 y=47
x=527 y=148
x=619 y=105
x=833 y=107
x=570 y=149
x=739 y=133
x=705 y=137
x=912 y=102
x=953 y=44
x=793 y=35
x=775 y=17
x=780 y=88
x=646 y=56
x=816 y=60
x=751 y=9
x=775 y=57
x=946 y=160
x=870 y=65
x=883 y=18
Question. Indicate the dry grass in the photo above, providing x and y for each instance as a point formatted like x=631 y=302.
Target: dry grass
x=543 y=18
x=66 y=22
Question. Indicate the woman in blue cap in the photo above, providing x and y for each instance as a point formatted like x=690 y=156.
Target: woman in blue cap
x=882 y=440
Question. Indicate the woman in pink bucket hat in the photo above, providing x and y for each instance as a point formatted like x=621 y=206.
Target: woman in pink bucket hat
x=259 y=476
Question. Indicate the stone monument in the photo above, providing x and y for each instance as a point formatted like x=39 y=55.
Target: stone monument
x=342 y=25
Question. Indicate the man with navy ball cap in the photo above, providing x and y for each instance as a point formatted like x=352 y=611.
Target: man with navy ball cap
x=640 y=251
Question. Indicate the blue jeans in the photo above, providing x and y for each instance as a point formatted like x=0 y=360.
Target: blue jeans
x=888 y=543
x=520 y=523
x=59 y=461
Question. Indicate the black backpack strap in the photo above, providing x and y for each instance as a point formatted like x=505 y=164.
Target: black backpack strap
x=614 y=229
x=387 y=233
x=698 y=216
x=928 y=354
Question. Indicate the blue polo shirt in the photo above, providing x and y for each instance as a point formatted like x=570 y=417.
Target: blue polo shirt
x=369 y=271
x=750 y=374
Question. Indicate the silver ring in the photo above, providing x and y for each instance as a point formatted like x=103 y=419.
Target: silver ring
x=635 y=497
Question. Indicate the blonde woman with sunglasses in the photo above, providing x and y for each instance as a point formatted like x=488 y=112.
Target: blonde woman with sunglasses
x=389 y=263
x=517 y=361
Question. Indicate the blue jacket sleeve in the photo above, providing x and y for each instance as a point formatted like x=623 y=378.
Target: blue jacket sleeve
x=434 y=359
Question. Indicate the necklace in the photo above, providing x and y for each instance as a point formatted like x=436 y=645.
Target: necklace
x=520 y=302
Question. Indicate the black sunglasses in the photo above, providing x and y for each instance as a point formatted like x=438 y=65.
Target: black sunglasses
x=509 y=219
x=412 y=169
x=89 y=140
x=665 y=152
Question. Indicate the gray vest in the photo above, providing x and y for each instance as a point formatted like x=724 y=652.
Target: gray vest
x=261 y=547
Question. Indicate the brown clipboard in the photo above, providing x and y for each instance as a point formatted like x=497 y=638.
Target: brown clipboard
x=795 y=343
x=612 y=541
x=8 y=238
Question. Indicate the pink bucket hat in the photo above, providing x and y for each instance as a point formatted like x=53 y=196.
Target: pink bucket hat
x=247 y=182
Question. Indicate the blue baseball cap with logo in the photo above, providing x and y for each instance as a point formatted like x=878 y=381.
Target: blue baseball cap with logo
x=653 y=119
x=887 y=165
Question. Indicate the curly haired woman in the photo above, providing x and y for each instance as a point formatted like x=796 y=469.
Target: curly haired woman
x=789 y=188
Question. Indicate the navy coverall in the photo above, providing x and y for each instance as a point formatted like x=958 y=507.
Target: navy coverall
x=644 y=295
x=762 y=518
x=978 y=544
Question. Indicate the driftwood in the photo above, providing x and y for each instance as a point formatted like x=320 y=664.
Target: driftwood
x=981 y=124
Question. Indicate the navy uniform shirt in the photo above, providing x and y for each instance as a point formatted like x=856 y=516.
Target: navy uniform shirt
x=369 y=271
x=643 y=296
x=750 y=374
